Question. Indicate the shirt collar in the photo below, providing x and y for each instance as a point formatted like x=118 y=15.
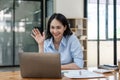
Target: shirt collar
x=50 y=42
x=63 y=42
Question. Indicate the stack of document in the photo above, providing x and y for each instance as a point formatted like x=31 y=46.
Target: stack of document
x=103 y=70
x=81 y=74
x=109 y=67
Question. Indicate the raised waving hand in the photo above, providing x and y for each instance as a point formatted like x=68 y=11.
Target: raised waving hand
x=39 y=38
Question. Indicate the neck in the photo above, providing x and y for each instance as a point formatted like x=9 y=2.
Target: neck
x=57 y=41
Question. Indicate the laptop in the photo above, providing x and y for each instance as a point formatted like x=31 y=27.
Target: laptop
x=40 y=65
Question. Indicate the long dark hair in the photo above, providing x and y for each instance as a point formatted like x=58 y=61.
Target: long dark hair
x=64 y=22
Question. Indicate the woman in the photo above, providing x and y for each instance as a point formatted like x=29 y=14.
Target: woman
x=60 y=39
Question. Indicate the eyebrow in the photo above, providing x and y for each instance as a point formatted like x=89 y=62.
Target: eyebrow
x=55 y=26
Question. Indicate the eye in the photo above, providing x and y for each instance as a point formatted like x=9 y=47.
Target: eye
x=52 y=27
x=58 y=27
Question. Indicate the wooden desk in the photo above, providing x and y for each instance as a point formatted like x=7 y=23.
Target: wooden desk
x=15 y=75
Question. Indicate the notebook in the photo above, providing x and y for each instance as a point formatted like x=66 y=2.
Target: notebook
x=40 y=65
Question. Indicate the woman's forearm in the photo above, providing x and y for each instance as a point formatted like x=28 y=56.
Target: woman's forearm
x=69 y=66
x=41 y=48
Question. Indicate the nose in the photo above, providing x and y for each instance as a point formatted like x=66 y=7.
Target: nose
x=55 y=30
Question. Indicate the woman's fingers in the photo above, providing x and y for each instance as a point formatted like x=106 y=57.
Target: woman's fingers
x=33 y=36
x=37 y=35
x=33 y=32
x=43 y=35
x=36 y=32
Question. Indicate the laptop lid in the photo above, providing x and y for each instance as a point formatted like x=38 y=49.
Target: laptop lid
x=40 y=65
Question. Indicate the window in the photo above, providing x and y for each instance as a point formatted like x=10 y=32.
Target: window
x=101 y=18
x=106 y=18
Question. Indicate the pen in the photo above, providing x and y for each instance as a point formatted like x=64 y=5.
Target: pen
x=80 y=72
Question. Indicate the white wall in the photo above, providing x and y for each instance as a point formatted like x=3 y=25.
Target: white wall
x=70 y=8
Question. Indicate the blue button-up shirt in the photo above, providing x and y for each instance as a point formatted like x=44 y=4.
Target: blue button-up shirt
x=70 y=50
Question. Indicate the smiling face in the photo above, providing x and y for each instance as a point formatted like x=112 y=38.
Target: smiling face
x=57 y=29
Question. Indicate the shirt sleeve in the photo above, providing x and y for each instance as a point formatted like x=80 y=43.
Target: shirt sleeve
x=45 y=46
x=77 y=53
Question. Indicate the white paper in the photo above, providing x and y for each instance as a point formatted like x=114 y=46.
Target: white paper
x=81 y=74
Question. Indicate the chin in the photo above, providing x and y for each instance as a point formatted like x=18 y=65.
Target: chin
x=57 y=37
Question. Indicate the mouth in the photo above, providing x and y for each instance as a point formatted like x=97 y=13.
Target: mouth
x=56 y=34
